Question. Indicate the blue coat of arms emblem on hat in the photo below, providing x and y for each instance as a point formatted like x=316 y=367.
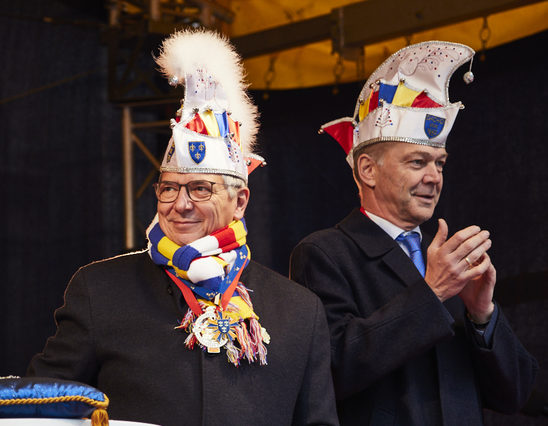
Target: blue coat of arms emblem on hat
x=197 y=151
x=433 y=125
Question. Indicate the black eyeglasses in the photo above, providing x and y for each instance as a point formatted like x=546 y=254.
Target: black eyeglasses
x=197 y=190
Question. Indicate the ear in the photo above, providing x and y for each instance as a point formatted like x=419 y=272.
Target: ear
x=367 y=170
x=242 y=198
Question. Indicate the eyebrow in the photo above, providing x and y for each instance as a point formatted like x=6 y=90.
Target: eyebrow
x=426 y=155
x=197 y=180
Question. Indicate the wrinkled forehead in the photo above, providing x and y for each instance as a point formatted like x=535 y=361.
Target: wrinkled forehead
x=403 y=149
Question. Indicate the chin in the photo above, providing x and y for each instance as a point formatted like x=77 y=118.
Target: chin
x=421 y=218
x=182 y=240
x=421 y=215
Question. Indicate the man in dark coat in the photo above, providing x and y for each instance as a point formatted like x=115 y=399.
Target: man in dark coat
x=191 y=331
x=416 y=337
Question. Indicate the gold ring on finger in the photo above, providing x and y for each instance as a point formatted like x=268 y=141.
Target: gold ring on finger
x=468 y=261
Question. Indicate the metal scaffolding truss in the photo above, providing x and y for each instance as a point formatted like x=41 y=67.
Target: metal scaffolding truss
x=131 y=141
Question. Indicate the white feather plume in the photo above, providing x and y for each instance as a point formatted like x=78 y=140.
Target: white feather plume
x=186 y=51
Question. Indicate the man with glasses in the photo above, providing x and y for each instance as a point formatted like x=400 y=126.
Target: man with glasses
x=205 y=201
x=192 y=331
x=416 y=339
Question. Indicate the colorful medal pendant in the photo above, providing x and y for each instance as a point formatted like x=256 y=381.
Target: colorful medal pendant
x=213 y=330
x=214 y=326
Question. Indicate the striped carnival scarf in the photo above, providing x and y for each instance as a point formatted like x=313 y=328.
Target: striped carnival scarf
x=201 y=264
x=208 y=266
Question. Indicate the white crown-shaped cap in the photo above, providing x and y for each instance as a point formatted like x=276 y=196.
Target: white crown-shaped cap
x=405 y=99
x=215 y=128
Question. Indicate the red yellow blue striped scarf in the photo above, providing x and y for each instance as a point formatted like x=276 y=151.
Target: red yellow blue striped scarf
x=201 y=264
x=208 y=266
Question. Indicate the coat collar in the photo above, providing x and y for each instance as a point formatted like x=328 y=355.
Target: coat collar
x=373 y=241
x=376 y=243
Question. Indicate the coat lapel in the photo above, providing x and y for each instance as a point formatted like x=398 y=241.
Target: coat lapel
x=377 y=244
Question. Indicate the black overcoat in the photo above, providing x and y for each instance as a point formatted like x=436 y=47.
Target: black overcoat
x=116 y=332
x=399 y=355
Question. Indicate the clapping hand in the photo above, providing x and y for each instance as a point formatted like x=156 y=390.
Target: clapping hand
x=460 y=265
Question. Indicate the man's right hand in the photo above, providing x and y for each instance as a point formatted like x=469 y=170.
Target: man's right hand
x=453 y=262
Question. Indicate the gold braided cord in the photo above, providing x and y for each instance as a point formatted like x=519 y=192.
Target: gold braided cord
x=52 y=400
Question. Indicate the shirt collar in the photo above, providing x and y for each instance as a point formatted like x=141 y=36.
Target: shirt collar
x=388 y=227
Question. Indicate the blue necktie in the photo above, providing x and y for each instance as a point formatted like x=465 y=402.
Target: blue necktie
x=412 y=242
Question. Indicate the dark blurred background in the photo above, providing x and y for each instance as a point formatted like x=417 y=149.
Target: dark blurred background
x=61 y=177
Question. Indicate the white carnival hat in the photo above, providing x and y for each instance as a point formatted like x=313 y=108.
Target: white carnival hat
x=406 y=99
x=215 y=128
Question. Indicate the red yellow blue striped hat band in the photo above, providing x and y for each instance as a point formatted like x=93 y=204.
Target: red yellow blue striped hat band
x=406 y=99
x=191 y=152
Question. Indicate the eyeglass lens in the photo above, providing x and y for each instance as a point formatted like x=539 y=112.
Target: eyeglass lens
x=197 y=190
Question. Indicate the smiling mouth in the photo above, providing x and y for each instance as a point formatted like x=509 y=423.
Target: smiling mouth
x=428 y=198
x=184 y=222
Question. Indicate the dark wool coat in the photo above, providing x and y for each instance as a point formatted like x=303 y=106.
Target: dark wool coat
x=400 y=356
x=116 y=332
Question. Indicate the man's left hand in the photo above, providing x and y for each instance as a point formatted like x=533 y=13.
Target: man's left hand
x=477 y=295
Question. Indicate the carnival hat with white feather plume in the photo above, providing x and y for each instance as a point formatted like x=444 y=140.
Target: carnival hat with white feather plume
x=215 y=128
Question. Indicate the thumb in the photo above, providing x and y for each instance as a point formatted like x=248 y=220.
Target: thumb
x=441 y=235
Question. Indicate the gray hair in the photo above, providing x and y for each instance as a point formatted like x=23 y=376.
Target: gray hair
x=233 y=184
x=375 y=151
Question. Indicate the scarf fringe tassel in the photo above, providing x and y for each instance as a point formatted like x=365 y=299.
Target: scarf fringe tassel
x=251 y=346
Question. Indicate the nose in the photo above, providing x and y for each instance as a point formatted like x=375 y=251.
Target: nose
x=433 y=174
x=182 y=202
